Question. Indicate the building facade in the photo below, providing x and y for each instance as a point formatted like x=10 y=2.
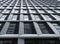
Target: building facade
x=29 y=22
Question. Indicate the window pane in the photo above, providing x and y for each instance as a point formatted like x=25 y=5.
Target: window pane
x=42 y=41
x=26 y=17
x=45 y=7
x=24 y=11
x=51 y=7
x=32 y=11
x=14 y=17
x=29 y=28
x=57 y=26
x=58 y=7
x=41 y=11
x=36 y=17
x=30 y=7
x=3 y=17
x=15 y=11
x=6 y=11
x=58 y=11
x=45 y=28
x=13 y=28
x=49 y=11
x=57 y=16
x=48 y=17
x=8 y=41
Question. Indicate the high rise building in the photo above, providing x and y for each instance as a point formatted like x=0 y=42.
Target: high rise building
x=29 y=22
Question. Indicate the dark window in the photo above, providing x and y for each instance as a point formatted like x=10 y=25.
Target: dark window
x=42 y=41
x=8 y=41
x=29 y=28
x=13 y=28
x=45 y=28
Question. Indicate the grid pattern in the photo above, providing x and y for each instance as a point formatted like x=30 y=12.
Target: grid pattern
x=22 y=19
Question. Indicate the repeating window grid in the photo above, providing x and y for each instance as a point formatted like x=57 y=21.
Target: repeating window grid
x=32 y=10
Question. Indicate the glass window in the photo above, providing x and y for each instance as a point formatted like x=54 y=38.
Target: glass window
x=48 y=17
x=13 y=28
x=2 y=7
x=30 y=7
x=3 y=17
x=16 y=7
x=15 y=11
x=14 y=17
x=32 y=11
x=49 y=11
x=58 y=11
x=51 y=7
x=41 y=11
x=8 y=41
x=44 y=7
x=9 y=7
x=24 y=11
x=26 y=17
x=57 y=17
x=23 y=7
x=45 y=28
x=42 y=41
x=29 y=28
x=58 y=7
x=38 y=7
x=36 y=17
x=6 y=11
x=57 y=26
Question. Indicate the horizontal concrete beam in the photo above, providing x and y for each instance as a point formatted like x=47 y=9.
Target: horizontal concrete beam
x=30 y=36
x=31 y=20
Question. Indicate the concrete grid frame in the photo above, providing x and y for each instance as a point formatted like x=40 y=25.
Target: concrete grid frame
x=29 y=22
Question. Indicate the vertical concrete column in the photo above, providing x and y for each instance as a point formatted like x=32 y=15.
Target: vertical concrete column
x=38 y=30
